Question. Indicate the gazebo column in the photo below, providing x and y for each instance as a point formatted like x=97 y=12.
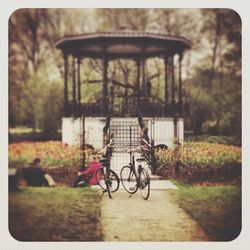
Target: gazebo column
x=74 y=84
x=166 y=86
x=142 y=88
x=138 y=82
x=65 y=110
x=143 y=82
x=105 y=86
x=173 y=86
x=173 y=108
x=180 y=86
x=79 y=85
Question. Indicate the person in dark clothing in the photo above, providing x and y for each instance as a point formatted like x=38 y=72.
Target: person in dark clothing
x=34 y=175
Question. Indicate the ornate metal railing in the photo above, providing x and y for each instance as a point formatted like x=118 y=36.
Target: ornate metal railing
x=148 y=109
x=87 y=109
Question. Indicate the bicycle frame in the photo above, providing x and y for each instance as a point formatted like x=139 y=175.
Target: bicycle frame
x=106 y=174
x=134 y=178
x=148 y=153
x=105 y=170
x=136 y=172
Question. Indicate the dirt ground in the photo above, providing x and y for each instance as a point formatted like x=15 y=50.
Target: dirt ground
x=130 y=219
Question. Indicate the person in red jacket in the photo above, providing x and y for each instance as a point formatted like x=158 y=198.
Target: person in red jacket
x=88 y=176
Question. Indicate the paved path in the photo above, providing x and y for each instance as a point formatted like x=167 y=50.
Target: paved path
x=129 y=219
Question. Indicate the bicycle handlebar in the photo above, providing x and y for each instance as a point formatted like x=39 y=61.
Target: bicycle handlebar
x=109 y=145
x=134 y=149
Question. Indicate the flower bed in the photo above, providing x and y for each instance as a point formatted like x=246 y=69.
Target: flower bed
x=51 y=153
x=194 y=162
x=198 y=161
x=57 y=159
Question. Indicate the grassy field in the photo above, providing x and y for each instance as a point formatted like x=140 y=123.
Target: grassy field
x=67 y=214
x=55 y=214
x=20 y=134
x=217 y=209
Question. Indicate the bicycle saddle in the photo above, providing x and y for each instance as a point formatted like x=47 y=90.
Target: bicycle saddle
x=140 y=159
x=104 y=160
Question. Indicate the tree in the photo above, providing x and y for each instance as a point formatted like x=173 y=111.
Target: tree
x=52 y=110
x=28 y=52
x=212 y=69
x=131 y=19
x=34 y=62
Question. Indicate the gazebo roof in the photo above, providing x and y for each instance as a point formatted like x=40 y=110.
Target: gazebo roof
x=123 y=44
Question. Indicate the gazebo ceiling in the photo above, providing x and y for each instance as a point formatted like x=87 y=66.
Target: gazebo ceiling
x=123 y=45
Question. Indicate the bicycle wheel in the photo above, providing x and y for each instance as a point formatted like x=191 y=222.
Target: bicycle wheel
x=113 y=180
x=108 y=187
x=104 y=181
x=128 y=179
x=144 y=183
x=100 y=177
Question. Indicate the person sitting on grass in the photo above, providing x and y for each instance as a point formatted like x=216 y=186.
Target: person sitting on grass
x=87 y=176
x=35 y=175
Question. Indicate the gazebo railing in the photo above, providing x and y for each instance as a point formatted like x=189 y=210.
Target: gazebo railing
x=87 y=109
x=148 y=109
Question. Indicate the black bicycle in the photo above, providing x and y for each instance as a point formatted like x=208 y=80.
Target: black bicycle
x=149 y=150
x=133 y=178
x=107 y=179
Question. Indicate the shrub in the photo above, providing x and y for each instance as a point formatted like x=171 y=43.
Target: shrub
x=199 y=161
x=199 y=153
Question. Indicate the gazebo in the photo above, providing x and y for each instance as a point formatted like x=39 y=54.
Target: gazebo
x=90 y=123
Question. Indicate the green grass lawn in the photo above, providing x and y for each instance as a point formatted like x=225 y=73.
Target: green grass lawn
x=51 y=214
x=217 y=209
